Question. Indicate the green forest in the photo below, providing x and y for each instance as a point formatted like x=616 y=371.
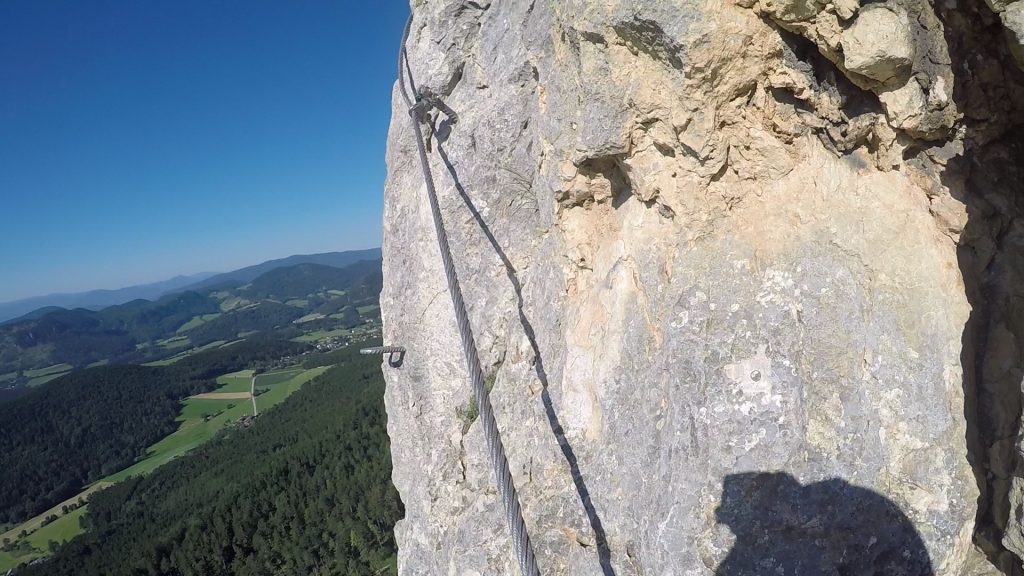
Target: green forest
x=96 y=421
x=305 y=491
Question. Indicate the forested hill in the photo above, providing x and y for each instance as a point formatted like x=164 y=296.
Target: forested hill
x=97 y=421
x=281 y=303
x=250 y=273
x=307 y=491
x=97 y=299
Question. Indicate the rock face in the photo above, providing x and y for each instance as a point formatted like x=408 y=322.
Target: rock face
x=742 y=277
x=878 y=44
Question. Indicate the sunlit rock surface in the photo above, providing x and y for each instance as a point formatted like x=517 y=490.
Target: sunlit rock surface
x=710 y=254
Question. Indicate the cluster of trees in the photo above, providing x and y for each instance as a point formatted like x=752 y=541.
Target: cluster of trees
x=263 y=316
x=147 y=321
x=80 y=428
x=305 y=279
x=76 y=337
x=80 y=337
x=93 y=422
x=339 y=356
x=305 y=491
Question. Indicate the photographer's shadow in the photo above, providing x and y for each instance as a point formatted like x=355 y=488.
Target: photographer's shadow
x=827 y=528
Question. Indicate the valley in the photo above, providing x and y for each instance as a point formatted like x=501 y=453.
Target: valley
x=309 y=303
x=186 y=381
x=201 y=417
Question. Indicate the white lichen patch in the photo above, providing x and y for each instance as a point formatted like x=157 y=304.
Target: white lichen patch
x=776 y=288
x=752 y=383
x=825 y=423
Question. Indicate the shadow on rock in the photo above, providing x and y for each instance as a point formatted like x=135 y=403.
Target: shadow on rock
x=825 y=528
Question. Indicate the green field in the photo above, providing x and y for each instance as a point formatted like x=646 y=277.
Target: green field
x=199 y=408
x=175 y=342
x=55 y=369
x=235 y=382
x=8 y=376
x=197 y=321
x=277 y=393
x=40 y=380
x=308 y=318
x=179 y=356
x=60 y=530
x=9 y=560
x=36 y=544
x=277 y=377
x=363 y=310
x=320 y=334
x=201 y=419
x=233 y=303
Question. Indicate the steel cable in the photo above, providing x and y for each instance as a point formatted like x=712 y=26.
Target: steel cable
x=506 y=487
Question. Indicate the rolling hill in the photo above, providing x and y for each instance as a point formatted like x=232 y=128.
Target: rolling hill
x=30 y=308
x=95 y=299
x=305 y=302
x=305 y=491
x=250 y=273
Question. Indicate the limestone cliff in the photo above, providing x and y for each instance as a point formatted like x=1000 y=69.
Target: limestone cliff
x=745 y=277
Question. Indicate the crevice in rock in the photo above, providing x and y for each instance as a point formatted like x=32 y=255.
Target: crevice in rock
x=991 y=255
x=648 y=37
x=847 y=112
x=593 y=38
x=802 y=54
x=598 y=180
x=609 y=169
x=988 y=87
x=989 y=179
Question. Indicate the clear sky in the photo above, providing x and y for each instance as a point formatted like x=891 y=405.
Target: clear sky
x=144 y=139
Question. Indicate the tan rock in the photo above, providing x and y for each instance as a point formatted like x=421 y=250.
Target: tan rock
x=1013 y=19
x=999 y=5
x=718 y=263
x=793 y=10
x=904 y=105
x=878 y=45
x=846 y=8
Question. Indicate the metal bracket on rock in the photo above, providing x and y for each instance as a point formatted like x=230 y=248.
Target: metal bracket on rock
x=427 y=99
x=396 y=354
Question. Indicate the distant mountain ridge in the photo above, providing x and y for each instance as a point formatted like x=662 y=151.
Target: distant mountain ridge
x=96 y=299
x=250 y=273
x=301 y=300
x=30 y=308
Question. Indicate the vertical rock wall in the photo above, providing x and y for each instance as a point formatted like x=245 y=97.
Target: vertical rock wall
x=743 y=277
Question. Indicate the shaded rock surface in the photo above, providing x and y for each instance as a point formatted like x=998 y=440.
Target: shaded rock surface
x=729 y=265
x=1013 y=19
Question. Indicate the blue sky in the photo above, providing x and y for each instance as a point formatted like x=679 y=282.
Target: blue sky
x=141 y=140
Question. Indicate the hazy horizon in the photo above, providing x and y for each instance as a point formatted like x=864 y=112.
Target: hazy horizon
x=180 y=275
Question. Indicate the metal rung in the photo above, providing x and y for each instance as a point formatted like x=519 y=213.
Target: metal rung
x=396 y=354
x=383 y=350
